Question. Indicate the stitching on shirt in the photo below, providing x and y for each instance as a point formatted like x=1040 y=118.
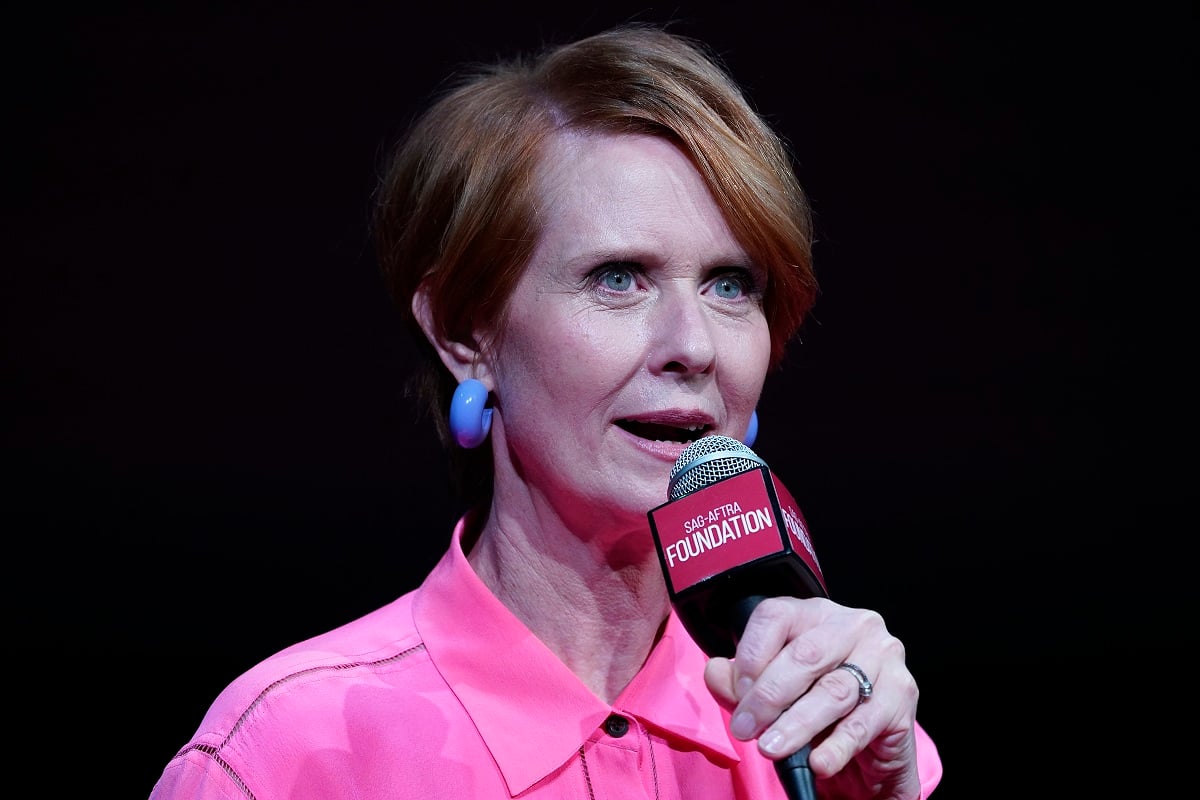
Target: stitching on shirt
x=653 y=762
x=304 y=673
x=214 y=752
x=587 y=776
x=211 y=752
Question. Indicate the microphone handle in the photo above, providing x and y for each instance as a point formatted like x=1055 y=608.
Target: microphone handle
x=794 y=773
x=796 y=777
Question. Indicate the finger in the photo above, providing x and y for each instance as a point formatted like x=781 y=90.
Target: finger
x=774 y=622
x=825 y=707
x=719 y=677
x=850 y=736
x=794 y=654
x=879 y=722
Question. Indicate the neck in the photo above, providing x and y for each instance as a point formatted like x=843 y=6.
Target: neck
x=598 y=605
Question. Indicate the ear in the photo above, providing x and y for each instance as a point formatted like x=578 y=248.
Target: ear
x=462 y=359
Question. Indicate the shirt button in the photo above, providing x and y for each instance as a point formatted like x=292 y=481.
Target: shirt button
x=616 y=725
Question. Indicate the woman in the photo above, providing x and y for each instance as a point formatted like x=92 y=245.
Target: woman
x=604 y=250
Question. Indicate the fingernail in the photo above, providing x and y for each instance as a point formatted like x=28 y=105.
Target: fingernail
x=742 y=726
x=771 y=742
x=743 y=686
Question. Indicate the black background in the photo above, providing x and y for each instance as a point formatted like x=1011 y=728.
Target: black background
x=212 y=456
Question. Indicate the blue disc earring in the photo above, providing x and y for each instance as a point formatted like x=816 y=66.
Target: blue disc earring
x=470 y=418
x=752 y=430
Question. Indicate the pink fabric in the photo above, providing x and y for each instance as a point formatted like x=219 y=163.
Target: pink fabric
x=443 y=693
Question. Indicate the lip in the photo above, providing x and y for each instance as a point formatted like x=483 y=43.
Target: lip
x=667 y=452
x=679 y=418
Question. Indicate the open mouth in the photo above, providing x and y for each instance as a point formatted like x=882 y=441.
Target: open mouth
x=663 y=433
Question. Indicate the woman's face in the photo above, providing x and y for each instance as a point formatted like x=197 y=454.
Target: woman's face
x=636 y=327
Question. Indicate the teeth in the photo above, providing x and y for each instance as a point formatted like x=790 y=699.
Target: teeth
x=664 y=432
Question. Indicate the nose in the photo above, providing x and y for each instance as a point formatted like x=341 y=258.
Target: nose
x=682 y=338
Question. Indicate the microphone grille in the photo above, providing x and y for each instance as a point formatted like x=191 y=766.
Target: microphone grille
x=708 y=460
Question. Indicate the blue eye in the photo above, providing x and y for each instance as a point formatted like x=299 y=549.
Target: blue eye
x=732 y=285
x=617 y=279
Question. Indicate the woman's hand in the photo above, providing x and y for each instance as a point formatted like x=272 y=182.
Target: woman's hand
x=785 y=688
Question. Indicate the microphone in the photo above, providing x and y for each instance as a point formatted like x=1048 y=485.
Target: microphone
x=729 y=536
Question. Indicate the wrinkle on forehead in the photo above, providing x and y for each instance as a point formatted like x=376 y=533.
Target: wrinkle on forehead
x=623 y=214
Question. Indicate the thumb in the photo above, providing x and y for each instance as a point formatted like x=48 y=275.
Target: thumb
x=719 y=677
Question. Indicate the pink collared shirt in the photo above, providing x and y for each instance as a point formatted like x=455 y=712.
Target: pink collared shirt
x=443 y=693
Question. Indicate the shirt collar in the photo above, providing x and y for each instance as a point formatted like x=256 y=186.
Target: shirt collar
x=532 y=712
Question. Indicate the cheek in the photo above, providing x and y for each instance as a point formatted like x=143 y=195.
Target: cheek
x=588 y=363
x=558 y=362
x=762 y=348
x=746 y=367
